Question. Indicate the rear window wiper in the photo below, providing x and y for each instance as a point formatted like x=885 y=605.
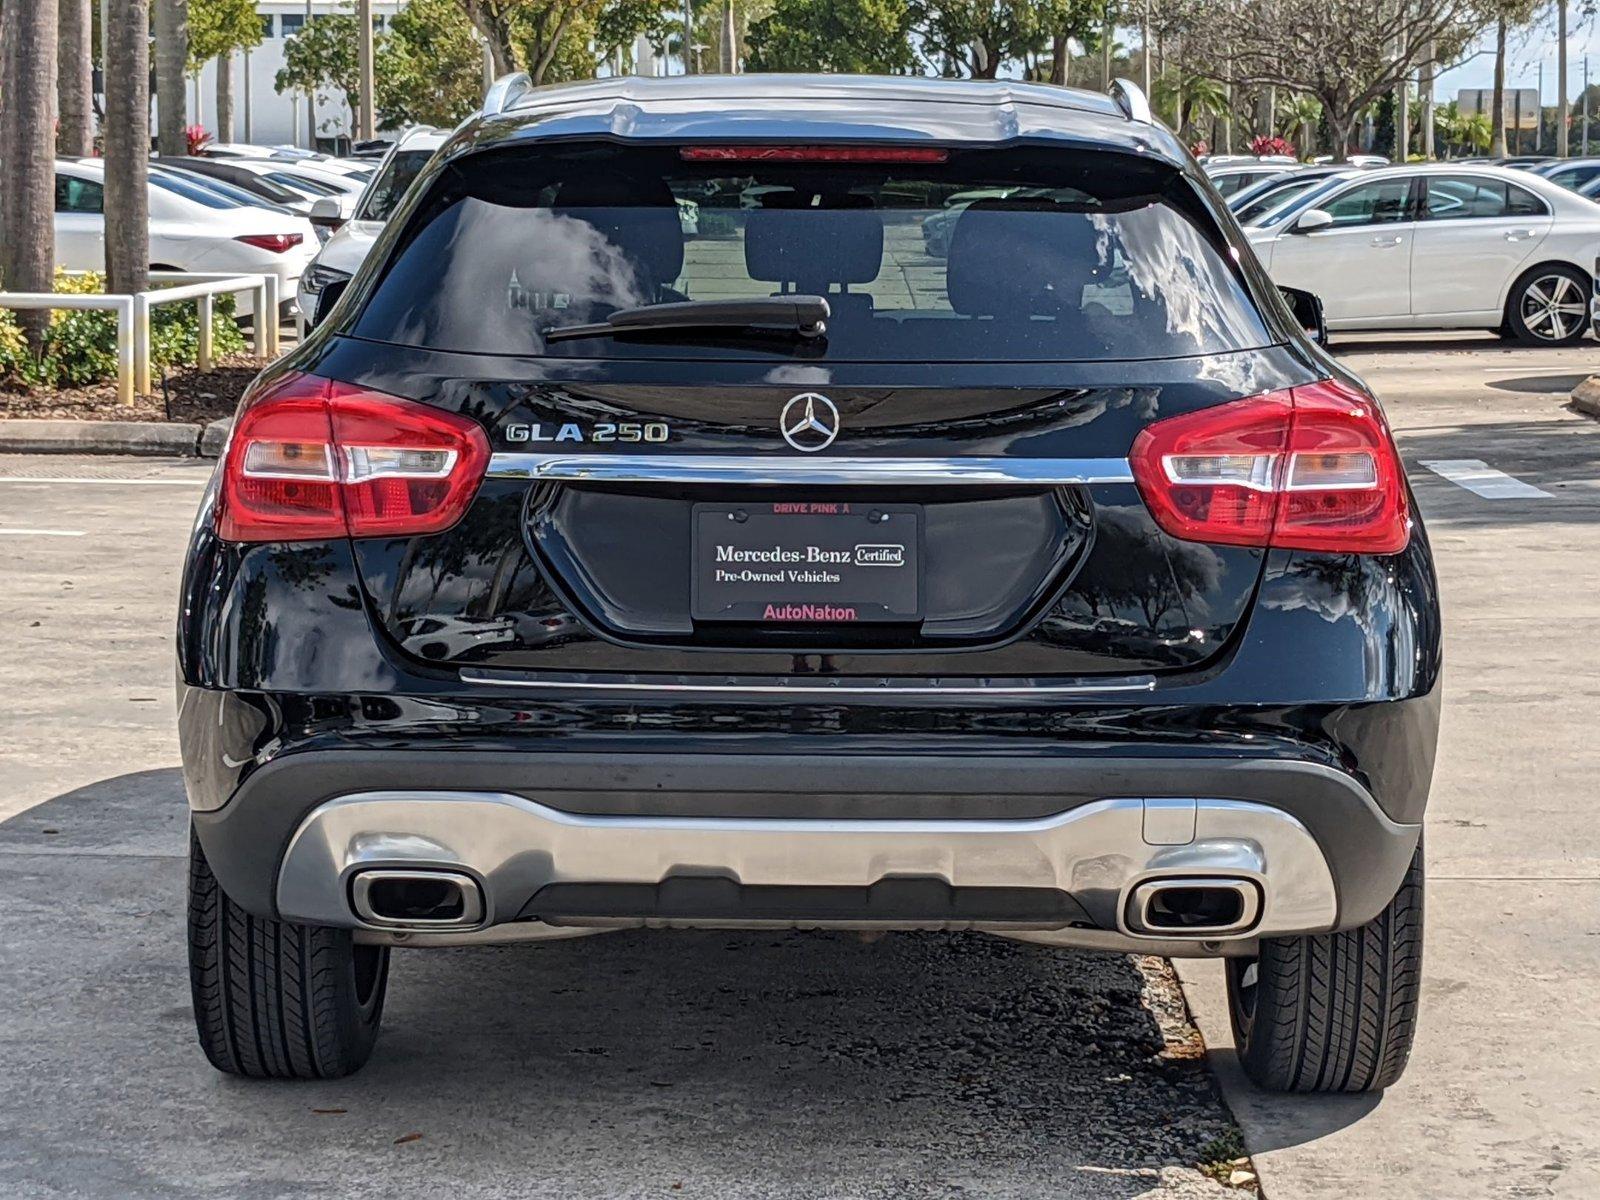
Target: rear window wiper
x=802 y=316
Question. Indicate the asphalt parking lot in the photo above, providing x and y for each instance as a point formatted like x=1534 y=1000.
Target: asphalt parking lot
x=814 y=1065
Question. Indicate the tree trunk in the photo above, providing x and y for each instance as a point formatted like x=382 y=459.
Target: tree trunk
x=728 y=51
x=496 y=31
x=28 y=255
x=75 y=84
x=1497 y=119
x=1058 y=59
x=1563 y=106
x=172 y=65
x=1107 y=33
x=127 y=140
x=1425 y=96
x=225 y=97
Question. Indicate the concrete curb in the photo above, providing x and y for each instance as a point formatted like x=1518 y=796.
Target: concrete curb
x=167 y=439
x=1586 y=397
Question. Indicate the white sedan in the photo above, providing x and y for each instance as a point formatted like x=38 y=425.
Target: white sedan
x=1441 y=246
x=193 y=227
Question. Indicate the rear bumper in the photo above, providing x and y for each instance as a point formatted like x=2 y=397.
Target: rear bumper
x=1048 y=844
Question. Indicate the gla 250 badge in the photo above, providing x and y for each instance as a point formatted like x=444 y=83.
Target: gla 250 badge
x=809 y=422
x=603 y=431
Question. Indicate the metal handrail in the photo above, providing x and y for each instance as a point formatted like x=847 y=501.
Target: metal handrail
x=121 y=305
x=133 y=317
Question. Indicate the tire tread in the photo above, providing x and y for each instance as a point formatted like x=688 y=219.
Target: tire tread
x=1337 y=1012
x=273 y=999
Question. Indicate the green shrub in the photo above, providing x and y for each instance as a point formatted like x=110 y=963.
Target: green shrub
x=81 y=347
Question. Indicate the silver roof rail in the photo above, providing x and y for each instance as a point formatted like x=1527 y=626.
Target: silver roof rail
x=1132 y=101
x=506 y=91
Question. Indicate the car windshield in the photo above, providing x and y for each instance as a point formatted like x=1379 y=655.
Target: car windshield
x=298 y=183
x=1299 y=202
x=201 y=191
x=1039 y=258
x=230 y=190
x=1266 y=207
x=385 y=193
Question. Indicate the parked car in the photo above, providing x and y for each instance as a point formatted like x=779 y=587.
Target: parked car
x=193 y=227
x=562 y=582
x=349 y=239
x=239 y=174
x=1442 y=246
x=1232 y=178
x=359 y=168
x=1264 y=209
x=937 y=227
x=1352 y=160
x=1570 y=173
x=1276 y=190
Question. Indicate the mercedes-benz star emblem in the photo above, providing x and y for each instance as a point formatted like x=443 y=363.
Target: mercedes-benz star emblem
x=809 y=422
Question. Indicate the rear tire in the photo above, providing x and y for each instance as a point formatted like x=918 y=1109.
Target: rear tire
x=1333 y=1012
x=1549 y=306
x=276 y=1000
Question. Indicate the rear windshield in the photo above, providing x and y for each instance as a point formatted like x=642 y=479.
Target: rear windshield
x=986 y=256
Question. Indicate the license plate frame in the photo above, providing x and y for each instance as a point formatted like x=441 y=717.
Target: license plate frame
x=880 y=581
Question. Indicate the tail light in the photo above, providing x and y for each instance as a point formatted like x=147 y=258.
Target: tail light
x=276 y=242
x=1310 y=468
x=311 y=459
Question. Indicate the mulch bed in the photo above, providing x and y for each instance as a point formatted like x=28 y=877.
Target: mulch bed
x=186 y=394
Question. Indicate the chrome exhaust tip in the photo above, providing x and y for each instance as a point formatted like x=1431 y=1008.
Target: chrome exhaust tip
x=416 y=899
x=1181 y=906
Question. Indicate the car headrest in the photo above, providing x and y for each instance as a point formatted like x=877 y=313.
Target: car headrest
x=1019 y=257
x=813 y=247
x=637 y=216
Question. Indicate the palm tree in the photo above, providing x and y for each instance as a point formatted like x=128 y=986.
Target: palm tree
x=127 y=141
x=172 y=66
x=1300 y=116
x=1189 y=97
x=1447 y=122
x=75 y=85
x=28 y=247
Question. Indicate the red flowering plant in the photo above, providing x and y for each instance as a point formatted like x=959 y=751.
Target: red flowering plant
x=1200 y=149
x=197 y=137
x=1263 y=146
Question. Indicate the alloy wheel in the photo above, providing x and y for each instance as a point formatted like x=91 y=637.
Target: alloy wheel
x=1553 y=308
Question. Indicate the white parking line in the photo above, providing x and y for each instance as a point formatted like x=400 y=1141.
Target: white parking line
x=36 y=479
x=43 y=532
x=1483 y=480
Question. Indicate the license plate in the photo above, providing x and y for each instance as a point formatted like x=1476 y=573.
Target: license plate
x=807 y=562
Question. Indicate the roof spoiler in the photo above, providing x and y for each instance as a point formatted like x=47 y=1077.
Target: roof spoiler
x=505 y=92
x=1132 y=101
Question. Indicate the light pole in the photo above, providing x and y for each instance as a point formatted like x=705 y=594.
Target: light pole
x=364 y=119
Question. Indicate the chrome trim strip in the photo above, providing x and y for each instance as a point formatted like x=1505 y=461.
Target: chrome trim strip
x=1137 y=683
x=826 y=469
x=515 y=846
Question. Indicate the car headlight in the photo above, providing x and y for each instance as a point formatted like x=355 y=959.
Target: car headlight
x=318 y=277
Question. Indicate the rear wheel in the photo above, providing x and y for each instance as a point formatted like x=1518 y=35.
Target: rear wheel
x=1549 y=306
x=276 y=1000
x=1333 y=1012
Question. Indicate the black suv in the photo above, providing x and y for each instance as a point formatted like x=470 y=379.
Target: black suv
x=655 y=533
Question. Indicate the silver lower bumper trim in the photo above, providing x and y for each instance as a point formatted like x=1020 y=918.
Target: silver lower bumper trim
x=1097 y=852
